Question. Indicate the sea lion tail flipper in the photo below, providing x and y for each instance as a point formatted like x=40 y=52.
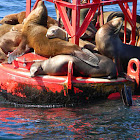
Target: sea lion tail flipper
x=87 y=57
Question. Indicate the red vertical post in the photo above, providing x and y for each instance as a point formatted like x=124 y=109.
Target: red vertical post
x=87 y=20
x=98 y=19
x=126 y=7
x=28 y=7
x=75 y=21
x=102 y=15
x=65 y=19
x=70 y=74
x=134 y=9
x=131 y=17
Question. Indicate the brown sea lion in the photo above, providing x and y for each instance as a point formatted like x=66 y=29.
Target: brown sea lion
x=57 y=32
x=109 y=15
x=10 y=40
x=3 y=56
x=18 y=18
x=21 y=16
x=109 y=44
x=14 y=18
x=120 y=14
x=5 y=28
x=58 y=65
x=128 y=26
x=34 y=34
x=51 y=22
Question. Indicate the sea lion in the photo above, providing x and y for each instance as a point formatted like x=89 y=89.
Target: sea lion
x=109 y=44
x=58 y=65
x=109 y=15
x=18 y=18
x=57 y=32
x=120 y=14
x=34 y=34
x=5 y=28
x=14 y=18
x=51 y=22
x=128 y=26
x=10 y=40
x=3 y=56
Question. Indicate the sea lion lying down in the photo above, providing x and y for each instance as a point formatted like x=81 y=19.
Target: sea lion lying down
x=18 y=18
x=34 y=34
x=109 y=44
x=58 y=65
x=14 y=19
x=7 y=27
x=9 y=41
x=57 y=32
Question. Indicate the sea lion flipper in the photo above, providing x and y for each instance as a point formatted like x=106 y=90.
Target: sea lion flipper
x=21 y=49
x=12 y=56
x=88 y=57
x=17 y=53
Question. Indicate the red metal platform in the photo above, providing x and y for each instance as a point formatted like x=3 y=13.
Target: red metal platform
x=16 y=84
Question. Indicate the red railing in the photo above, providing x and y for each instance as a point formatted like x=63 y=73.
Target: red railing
x=75 y=30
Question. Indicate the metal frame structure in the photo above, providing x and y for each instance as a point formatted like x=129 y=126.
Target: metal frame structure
x=74 y=29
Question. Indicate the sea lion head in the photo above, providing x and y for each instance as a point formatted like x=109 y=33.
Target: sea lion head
x=116 y=25
x=36 y=69
x=56 y=32
x=38 y=16
x=107 y=38
x=9 y=20
x=111 y=28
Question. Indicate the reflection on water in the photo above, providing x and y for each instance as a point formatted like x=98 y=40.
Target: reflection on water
x=105 y=119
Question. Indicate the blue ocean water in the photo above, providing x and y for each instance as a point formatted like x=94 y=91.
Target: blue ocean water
x=105 y=120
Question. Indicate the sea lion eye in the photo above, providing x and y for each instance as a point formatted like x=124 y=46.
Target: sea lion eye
x=53 y=31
